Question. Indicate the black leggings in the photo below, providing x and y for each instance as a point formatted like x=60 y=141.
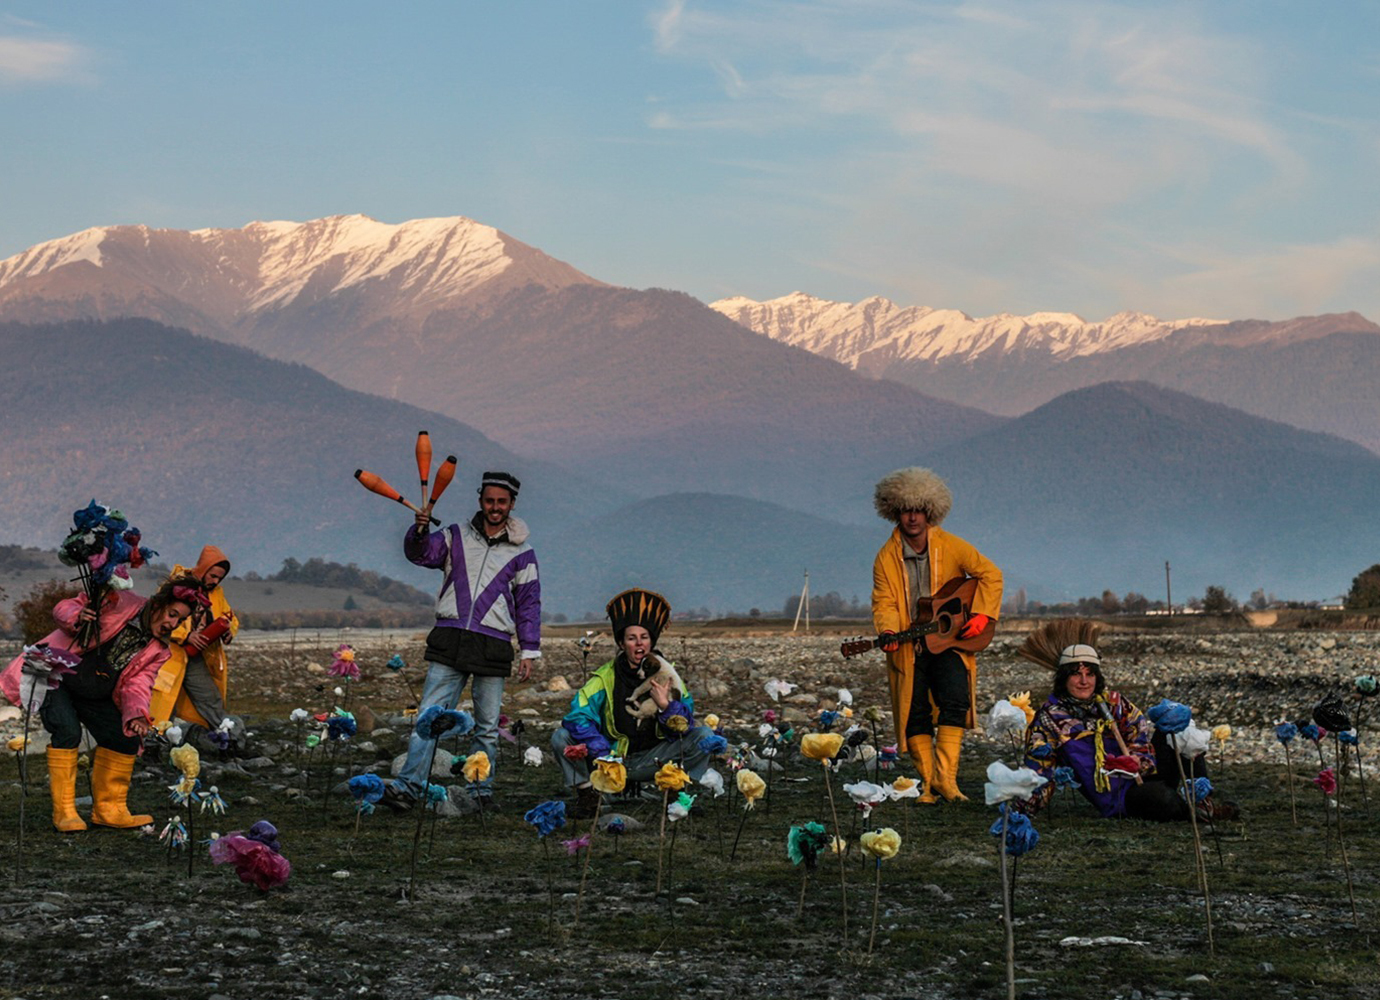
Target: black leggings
x=64 y=714
x=1158 y=799
x=944 y=676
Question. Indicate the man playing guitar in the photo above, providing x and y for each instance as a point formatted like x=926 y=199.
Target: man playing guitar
x=933 y=694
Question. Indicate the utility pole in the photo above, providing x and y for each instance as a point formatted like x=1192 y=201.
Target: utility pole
x=804 y=605
x=1168 y=600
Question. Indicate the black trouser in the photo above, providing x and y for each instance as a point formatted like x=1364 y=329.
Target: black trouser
x=1158 y=798
x=64 y=714
x=944 y=676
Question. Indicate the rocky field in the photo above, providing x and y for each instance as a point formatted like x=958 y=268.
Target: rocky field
x=492 y=915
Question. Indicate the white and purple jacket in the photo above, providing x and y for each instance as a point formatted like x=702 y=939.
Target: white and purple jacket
x=491 y=589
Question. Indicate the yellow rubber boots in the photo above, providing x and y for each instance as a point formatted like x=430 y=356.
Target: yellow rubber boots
x=922 y=753
x=110 y=774
x=62 y=784
x=947 y=743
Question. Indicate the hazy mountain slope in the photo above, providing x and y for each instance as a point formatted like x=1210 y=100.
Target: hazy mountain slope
x=200 y=441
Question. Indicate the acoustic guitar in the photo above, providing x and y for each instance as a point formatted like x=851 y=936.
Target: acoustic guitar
x=938 y=620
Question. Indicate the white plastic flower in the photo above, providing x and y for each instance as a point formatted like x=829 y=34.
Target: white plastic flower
x=1005 y=783
x=1191 y=742
x=714 y=781
x=299 y=715
x=845 y=697
x=1005 y=720
x=777 y=689
x=867 y=795
x=532 y=757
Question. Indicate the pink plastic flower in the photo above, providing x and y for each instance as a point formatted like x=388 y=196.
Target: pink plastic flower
x=1327 y=781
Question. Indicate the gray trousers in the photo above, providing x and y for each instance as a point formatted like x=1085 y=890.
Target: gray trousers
x=642 y=764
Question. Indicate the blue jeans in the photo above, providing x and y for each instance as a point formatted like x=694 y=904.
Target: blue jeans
x=642 y=764
x=443 y=687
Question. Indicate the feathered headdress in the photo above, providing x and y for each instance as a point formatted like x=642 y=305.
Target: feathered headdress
x=913 y=489
x=1044 y=645
x=638 y=607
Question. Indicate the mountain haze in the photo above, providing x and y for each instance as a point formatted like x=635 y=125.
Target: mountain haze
x=1317 y=372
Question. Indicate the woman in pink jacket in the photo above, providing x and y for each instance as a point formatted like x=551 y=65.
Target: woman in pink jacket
x=108 y=694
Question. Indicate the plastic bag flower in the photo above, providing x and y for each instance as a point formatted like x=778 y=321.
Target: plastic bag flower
x=866 y=795
x=1170 y=717
x=1221 y=733
x=881 y=844
x=1190 y=741
x=254 y=855
x=713 y=744
x=671 y=777
x=344 y=663
x=805 y=842
x=341 y=727
x=396 y=663
x=609 y=775
x=368 y=790
x=1286 y=731
x=904 y=788
x=714 y=781
x=1367 y=686
x=299 y=715
x=1327 y=781
x=574 y=847
x=1005 y=783
x=1331 y=715
x=531 y=757
x=576 y=751
x=777 y=689
x=1022 y=701
x=1064 y=777
x=680 y=808
x=1006 y=721
x=187 y=760
x=828 y=719
x=1349 y=738
x=1021 y=835
x=751 y=785
x=712 y=721
x=547 y=817
x=1311 y=732
x=822 y=747
x=1202 y=788
x=437 y=722
x=477 y=767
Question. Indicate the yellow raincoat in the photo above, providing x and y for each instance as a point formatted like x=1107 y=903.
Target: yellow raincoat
x=168 y=697
x=950 y=557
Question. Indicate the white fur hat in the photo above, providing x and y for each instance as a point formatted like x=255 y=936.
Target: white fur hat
x=913 y=489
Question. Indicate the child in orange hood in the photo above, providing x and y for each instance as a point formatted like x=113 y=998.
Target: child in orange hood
x=192 y=684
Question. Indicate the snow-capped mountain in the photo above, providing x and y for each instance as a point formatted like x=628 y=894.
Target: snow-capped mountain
x=872 y=334
x=1316 y=372
x=238 y=277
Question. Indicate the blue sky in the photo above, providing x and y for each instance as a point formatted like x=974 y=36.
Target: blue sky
x=1184 y=159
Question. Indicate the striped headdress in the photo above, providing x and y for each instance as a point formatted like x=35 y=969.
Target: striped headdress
x=638 y=607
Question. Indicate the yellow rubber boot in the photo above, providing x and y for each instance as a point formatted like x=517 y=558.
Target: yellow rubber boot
x=947 y=743
x=62 y=785
x=922 y=753
x=110 y=774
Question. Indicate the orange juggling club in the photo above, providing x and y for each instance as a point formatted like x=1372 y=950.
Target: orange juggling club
x=375 y=484
x=443 y=477
x=424 y=460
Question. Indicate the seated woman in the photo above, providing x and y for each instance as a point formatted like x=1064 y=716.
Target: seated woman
x=108 y=694
x=635 y=706
x=1078 y=727
x=192 y=684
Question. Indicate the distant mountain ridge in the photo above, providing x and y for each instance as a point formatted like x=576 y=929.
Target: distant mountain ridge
x=1316 y=372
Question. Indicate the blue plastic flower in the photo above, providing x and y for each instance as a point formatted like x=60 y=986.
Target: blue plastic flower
x=547 y=817
x=1286 y=731
x=396 y=662
x=1021 y=835
x=1349 y=737
x=1170 y=717
x=713 y=744
x=340 y=727
x=1065 y=778
x=1367 y=685
x=367 y=790
x=436 y=794
x=828 y=719
x=1202 y=788
x=436 y=722
x=1310 y=731
x=616 y=826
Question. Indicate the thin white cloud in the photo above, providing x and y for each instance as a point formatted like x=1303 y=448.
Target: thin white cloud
x=37 y=60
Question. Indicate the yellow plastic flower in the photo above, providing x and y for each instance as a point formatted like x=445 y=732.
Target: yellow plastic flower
x=881 y=844
x=348 y=655
x=821 y=746
x=671 y=778
x=1022 y=701
x=476 y=767
x=677 y=724
x=838 y=846
x=751 y=785
x=609 y=776
x=903 y=784
x=186 y=759
x=712 y=721
x=846 y=712
x=1221 y=733
x=18 y=743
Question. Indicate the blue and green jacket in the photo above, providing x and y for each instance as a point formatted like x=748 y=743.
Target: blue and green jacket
x=591 y=717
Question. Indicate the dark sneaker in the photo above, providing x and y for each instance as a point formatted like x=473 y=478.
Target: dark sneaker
x=398 y=802
x=586 y=803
